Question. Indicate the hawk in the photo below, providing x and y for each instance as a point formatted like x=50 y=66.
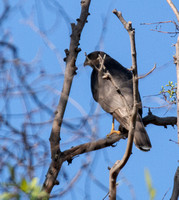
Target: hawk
x=112 y=88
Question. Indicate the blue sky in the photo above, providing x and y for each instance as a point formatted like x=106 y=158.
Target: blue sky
x=152 y=48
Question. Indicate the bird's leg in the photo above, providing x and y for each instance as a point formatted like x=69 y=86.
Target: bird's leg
x=112 y=129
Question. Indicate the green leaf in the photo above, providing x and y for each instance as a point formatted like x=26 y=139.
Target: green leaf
x=33 y=183
x=24 y=186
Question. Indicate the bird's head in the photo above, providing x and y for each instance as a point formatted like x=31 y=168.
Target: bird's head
x=92 y=59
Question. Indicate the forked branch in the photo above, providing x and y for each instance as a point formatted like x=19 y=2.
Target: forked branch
x=70 y=71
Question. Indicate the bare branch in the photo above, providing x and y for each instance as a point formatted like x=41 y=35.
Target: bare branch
x=69 y=154
x=165 y=194
x=140 y=77
x=174 y=9
x=167 y=32
x=164 y=22
x=176 y=62
x=92 y=146
x=159 y=121
x=175 y=193
x=177 y=68
x=114 y=171
x=70 y=71
x=173 y=141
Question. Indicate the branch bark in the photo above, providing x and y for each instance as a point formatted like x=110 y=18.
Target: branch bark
x=173 y=7
x=177 y=69
x=175 y=193
x=159 y=121
x=176 y=62
x=70 y=71
x=114 y=171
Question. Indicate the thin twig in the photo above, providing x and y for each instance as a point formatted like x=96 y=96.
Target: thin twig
x=140 y=77
x=164 y=22
x=165 y=194
x=166 y=32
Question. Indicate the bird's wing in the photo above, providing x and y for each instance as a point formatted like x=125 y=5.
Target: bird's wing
x=123 y=78
x=105 y=91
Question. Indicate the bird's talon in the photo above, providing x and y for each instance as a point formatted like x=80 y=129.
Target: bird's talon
x=113 y=131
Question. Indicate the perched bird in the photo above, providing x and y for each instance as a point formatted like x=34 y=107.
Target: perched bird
x=112 y=88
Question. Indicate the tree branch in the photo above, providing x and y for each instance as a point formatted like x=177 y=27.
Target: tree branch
x=175 y=193
x=177 y=69
x=174 y=9
x=140 y=77
x=114 y=171
x=176 y=62
x=159 y=121
x=92 y=146
x=70 y=71
x=69 y=154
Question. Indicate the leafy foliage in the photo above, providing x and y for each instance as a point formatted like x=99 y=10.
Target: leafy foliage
x=169 y=92
x=22 y=189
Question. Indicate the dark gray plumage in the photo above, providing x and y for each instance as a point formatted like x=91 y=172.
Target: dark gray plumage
x=106 y=94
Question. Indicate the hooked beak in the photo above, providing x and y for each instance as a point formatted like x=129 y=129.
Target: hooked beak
x=86 y=63
x=86 y=60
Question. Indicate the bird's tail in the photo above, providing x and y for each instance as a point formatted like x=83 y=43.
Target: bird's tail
x=141 y=138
